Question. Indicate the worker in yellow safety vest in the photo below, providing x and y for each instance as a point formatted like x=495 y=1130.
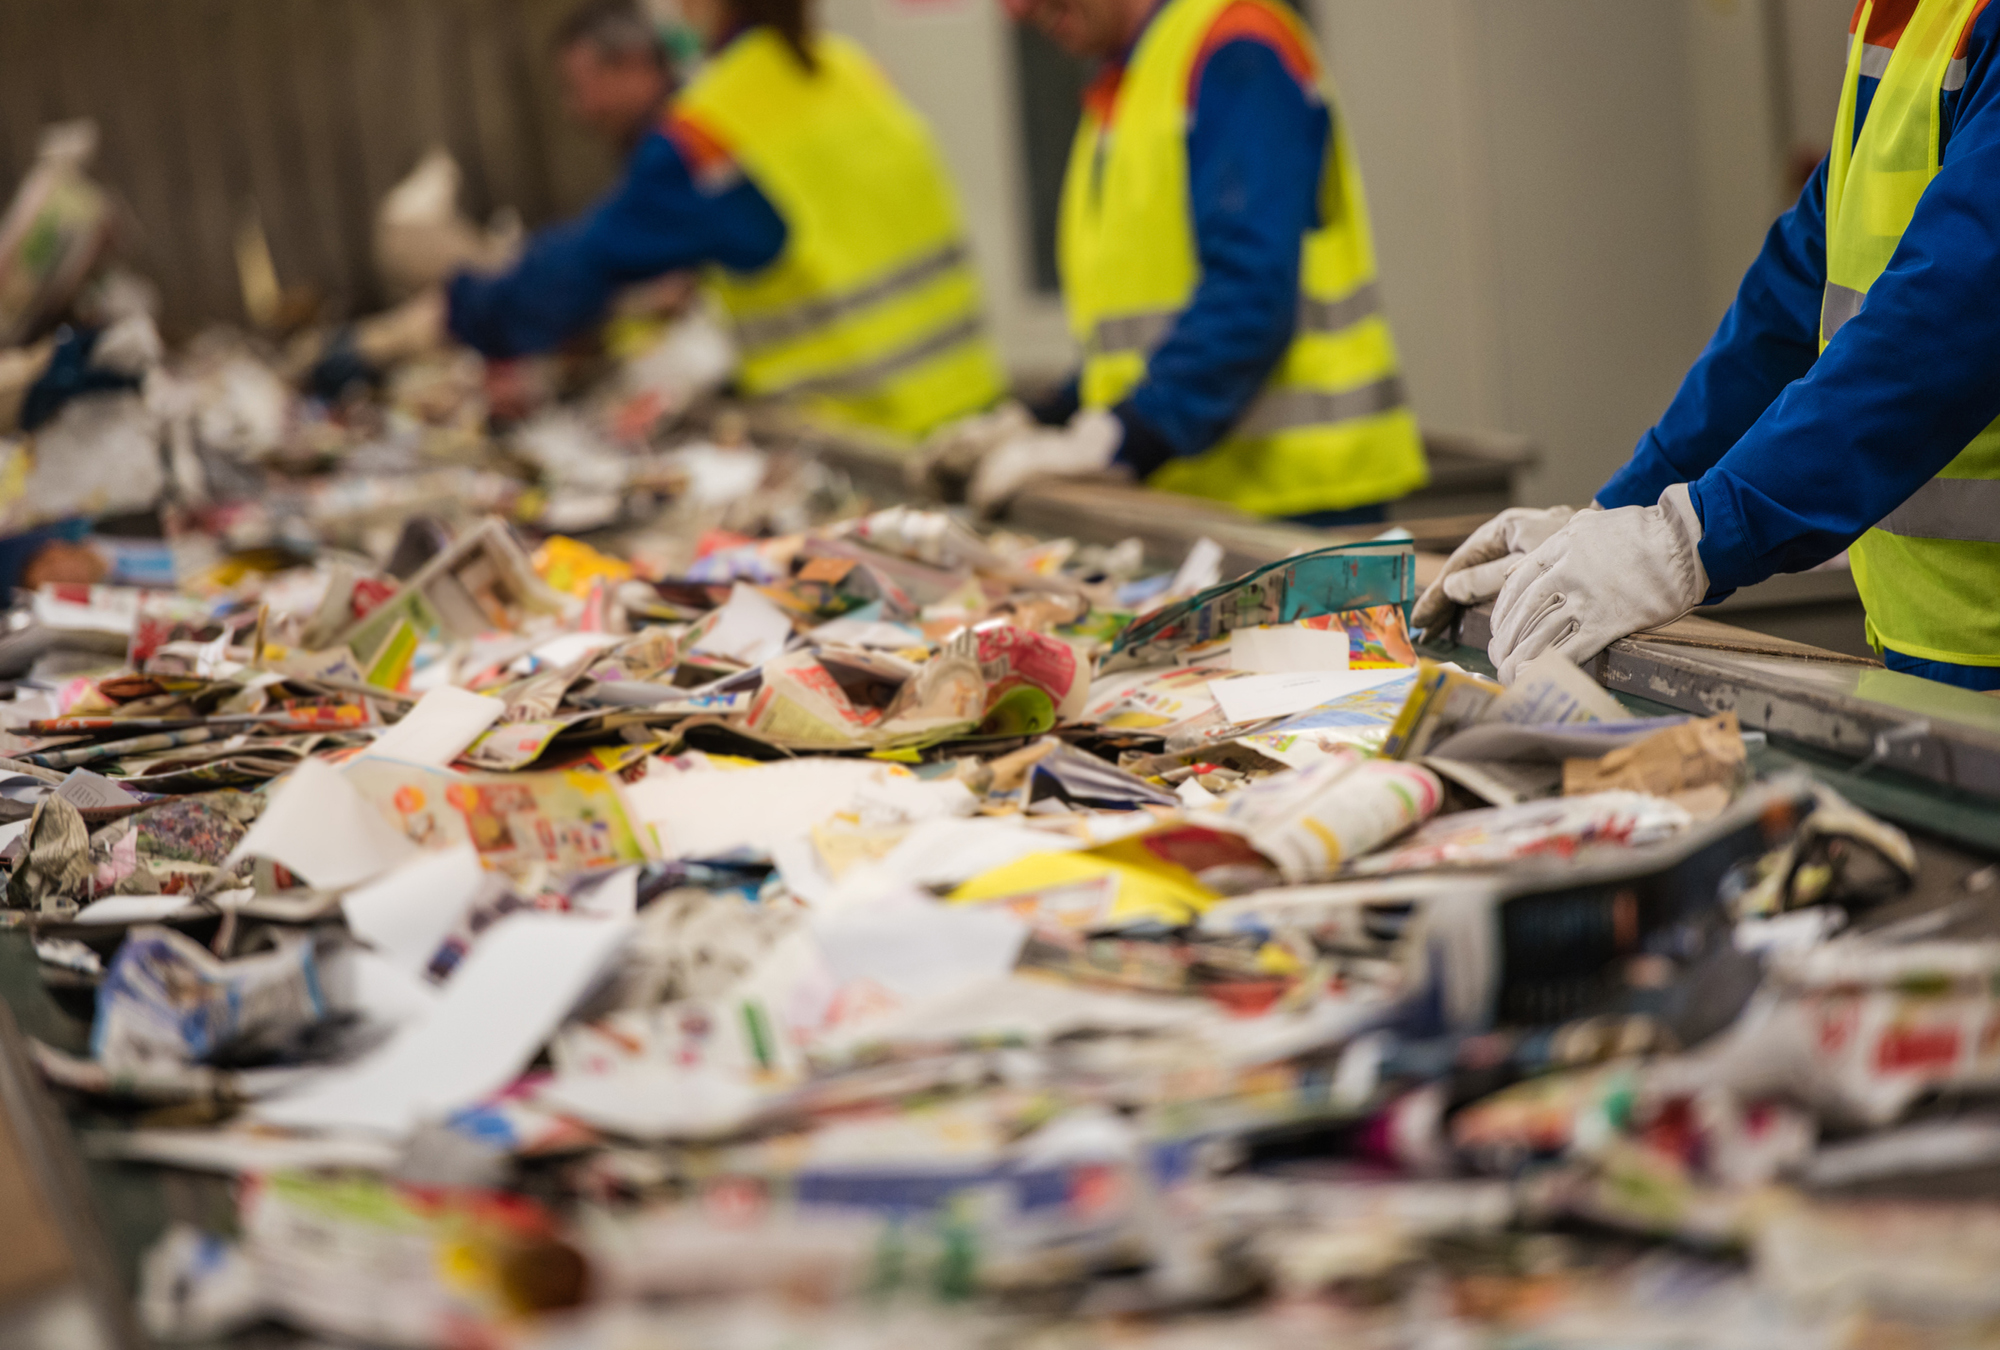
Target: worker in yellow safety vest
x=1849 y=400
x=1219 y=275
x=813 y=196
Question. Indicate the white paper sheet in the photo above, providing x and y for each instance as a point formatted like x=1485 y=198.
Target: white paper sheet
x=1287 y=649
x=941 y=853
x=566 y=649
x=320 y=828
x=236 y=1150
x=1551 y=689
x=514 y=989
x=382 y=991
x=1200 y=569
x=110 y=609
x=405 y=914
x=718 y=474
x=655 y=1101
x=614 y=895
x=718 y=813
x=132 y=909
x=1252 y=698
x=918 y=948
x=879 y=634
x=437 y=731
x=751 y=630
x=93 y=791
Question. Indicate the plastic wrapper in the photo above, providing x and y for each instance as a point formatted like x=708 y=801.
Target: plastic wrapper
x=1559 y=829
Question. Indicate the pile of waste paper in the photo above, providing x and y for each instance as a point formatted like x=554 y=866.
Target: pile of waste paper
x=587 y=877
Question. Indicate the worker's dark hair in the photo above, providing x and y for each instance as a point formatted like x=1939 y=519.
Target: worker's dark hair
x=615 y=29
x=786 y=17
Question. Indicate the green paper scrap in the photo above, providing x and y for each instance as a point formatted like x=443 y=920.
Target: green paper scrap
x=1021 y=711
x=1330 y=581
x=392 y=661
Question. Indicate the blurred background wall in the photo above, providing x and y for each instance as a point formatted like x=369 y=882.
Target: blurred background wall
x=1565 y=191
x=304 y=111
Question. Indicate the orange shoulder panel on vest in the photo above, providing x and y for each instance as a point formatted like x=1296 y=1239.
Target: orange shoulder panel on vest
x=708 y=160
x=1965 y=38
x=1259 y=21
x=1886 y=24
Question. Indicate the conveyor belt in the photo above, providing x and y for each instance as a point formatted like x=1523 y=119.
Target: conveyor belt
x=1831 y=702
x=1843 y=709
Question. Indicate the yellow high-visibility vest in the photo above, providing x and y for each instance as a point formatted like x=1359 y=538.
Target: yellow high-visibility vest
x=1331 y=428
x=1929 y=573
x=872 y=312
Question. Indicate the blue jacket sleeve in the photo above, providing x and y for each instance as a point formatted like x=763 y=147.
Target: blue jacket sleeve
x=658 y=219
x=1901 y=389
x=1768 y=339
x=1255 y=147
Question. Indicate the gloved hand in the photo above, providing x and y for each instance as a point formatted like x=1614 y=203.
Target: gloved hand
x=414 y=328
x=358 y=353
x=1602 y=576
x=694 y=357
x=1085 y=446
x=420 y=237
x=1480 y=566
x=954 y=451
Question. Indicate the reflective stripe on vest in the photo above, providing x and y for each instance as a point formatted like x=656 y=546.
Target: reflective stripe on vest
x=1929 y=572
x=1291 y=409
x=766 y=330
x=871 y=311
x=1331 y=428
x=1966 y=509
x=1145 y=332
x=1875 y=64
x=1840 y=305
x=860 y=379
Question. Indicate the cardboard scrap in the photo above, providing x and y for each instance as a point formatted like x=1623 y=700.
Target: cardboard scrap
x=1696 y=763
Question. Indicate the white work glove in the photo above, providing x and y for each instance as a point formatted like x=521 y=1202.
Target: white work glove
x=1602 y=576
x=1085 y=446
x=693 y=358
x=414 y=328
x=957 y=448
x=1480 y=566
x=420 y=237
